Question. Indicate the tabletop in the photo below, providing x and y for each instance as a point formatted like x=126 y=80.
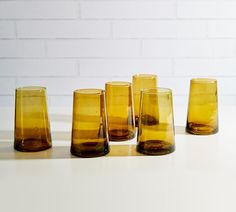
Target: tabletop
x=199 y=176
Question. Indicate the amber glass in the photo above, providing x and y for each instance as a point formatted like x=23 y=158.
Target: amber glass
x=140 y=82
x=32 y=128
x=203 y=107
x=156 y=122
x=89 y=128
x=120 y=111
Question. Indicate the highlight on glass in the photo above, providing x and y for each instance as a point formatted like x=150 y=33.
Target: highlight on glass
x=120 y=111
x=156 y=134
x=89 y=127
x=202 y=118
x=32 y=127
x=140 y=82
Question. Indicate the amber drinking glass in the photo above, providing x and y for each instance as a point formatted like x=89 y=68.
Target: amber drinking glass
x=140 y=82
x=156 y=122
x=203 y=107
x=32 y=127
x=120 y=111
x=89 y=128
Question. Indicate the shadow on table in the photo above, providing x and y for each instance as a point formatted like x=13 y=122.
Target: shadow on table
x=7 y=152
x=180 y=130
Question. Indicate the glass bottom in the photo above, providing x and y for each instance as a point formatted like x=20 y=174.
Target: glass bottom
x=200 y=129
x=121 y=135
x=32 y=145
x=155 y=147
x=89 y=149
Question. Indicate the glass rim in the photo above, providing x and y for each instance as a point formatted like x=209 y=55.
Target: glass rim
x=203 y=80
x=145 y=76
x=158 y=90
x=119 y=83
x=31 y=88
x=89 y=91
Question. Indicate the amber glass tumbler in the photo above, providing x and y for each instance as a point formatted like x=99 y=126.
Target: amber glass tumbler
x=140 y=82
x=32 y=127
x=89 y=128
x=120 y=111
x=156 y=122
x=203 y=107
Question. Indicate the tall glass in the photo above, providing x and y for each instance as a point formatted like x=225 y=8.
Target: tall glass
x=140 y=82
x=120 y=111
x=156 y=123
x=89 y=128
x=32 y=127
x=203 y=107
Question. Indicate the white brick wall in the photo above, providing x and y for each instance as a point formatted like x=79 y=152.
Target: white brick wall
x=124 y=67
x=93 y=48
x=38 y=10
x=177 y=48
x=7 y=30
x=160 y=29
x=70 y=44
x=128 y=9
x=63 y=29
x=199 y=9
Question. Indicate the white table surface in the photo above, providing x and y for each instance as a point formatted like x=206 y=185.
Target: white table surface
x=200 y=176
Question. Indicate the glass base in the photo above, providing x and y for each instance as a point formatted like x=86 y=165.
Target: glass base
x=31 y=145
x=155 y=147
x=200 y=129
x=121 y=135
x=89 y=149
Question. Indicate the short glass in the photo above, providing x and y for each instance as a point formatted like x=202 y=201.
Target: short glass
x=89 y=127
x=32 y=127
x=202 y=116
x=156 y=123
x=120 y=111
x=140 y=82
